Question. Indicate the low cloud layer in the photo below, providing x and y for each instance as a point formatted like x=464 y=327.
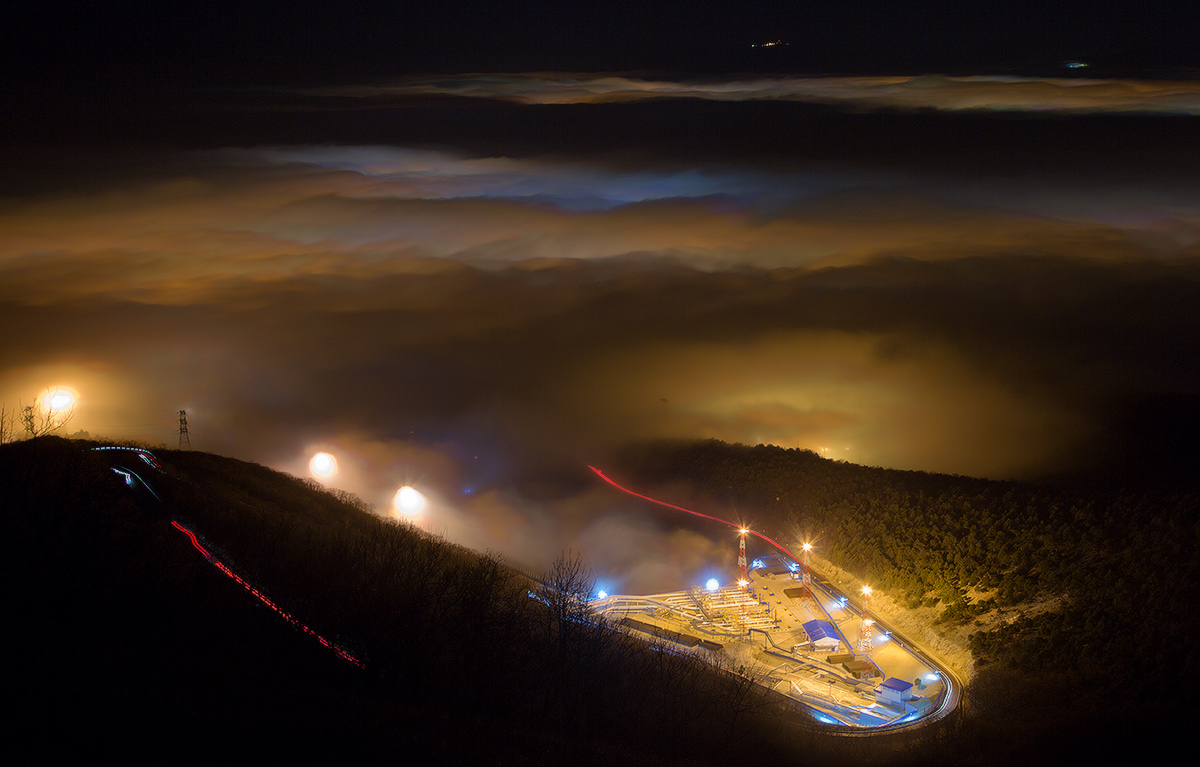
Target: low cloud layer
x=483 y=327
x=989 y=93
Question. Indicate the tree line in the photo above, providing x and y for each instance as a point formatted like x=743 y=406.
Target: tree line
x=1121 y=561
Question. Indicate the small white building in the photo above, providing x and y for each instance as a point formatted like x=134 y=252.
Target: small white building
x=894 y=693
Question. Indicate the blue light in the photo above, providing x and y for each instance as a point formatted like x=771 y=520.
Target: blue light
x=757 y=564
x=713 y=584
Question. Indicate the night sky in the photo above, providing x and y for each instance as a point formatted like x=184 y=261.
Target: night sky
x=238 y=42
x=910 y=237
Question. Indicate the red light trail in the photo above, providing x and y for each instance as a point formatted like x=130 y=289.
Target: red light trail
x=263 y=597
x=624 y=489
x=734 y=525
x=149 y=458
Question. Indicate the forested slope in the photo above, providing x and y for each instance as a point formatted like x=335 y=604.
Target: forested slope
x=1124 y=563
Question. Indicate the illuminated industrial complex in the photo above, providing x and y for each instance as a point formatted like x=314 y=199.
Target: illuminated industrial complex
x=796 y=644
x=795 y=633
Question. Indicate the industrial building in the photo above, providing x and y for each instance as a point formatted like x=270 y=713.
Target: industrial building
x=794 y=633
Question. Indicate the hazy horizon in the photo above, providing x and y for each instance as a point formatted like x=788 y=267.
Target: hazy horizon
x=476 y=293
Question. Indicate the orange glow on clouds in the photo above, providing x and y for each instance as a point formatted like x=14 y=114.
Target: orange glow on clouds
x=993 y=93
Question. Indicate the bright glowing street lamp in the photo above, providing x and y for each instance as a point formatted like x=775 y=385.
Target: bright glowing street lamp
x=806 y=575
x=58 y=399
x=408 y=502
x=323 y=466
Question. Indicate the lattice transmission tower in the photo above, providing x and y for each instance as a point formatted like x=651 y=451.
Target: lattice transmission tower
x=864 y=636
x=185 y=442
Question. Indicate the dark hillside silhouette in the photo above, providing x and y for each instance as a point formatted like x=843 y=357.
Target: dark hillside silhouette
x=123 y=640
x=128 y=639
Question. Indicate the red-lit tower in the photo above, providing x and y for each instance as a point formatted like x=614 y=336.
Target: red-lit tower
x=743 y=570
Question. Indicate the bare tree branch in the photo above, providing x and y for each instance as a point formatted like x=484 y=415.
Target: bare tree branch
x=6 y=425
x=37 y=421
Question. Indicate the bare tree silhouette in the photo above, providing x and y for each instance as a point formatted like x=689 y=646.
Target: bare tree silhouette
x=47 y=415
x=7 y=426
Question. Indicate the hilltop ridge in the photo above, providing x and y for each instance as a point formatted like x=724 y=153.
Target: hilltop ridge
x=132 y=640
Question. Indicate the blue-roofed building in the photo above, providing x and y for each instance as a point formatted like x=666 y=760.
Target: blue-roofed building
x=893 y=692
x=822 y=635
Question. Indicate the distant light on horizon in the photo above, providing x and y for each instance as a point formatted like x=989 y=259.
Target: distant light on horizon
x=713 y=584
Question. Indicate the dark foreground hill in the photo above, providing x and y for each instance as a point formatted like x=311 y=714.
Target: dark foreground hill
x=123 y=640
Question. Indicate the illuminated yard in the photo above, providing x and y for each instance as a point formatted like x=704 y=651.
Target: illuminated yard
x=795 y=633
x=762 y=629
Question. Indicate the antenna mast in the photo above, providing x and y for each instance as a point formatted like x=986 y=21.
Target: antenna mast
x=743 y=571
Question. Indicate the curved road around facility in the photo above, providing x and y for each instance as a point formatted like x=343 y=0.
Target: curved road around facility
x=954 y=684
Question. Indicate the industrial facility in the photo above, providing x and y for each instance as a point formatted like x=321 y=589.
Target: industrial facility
x=792 y=632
